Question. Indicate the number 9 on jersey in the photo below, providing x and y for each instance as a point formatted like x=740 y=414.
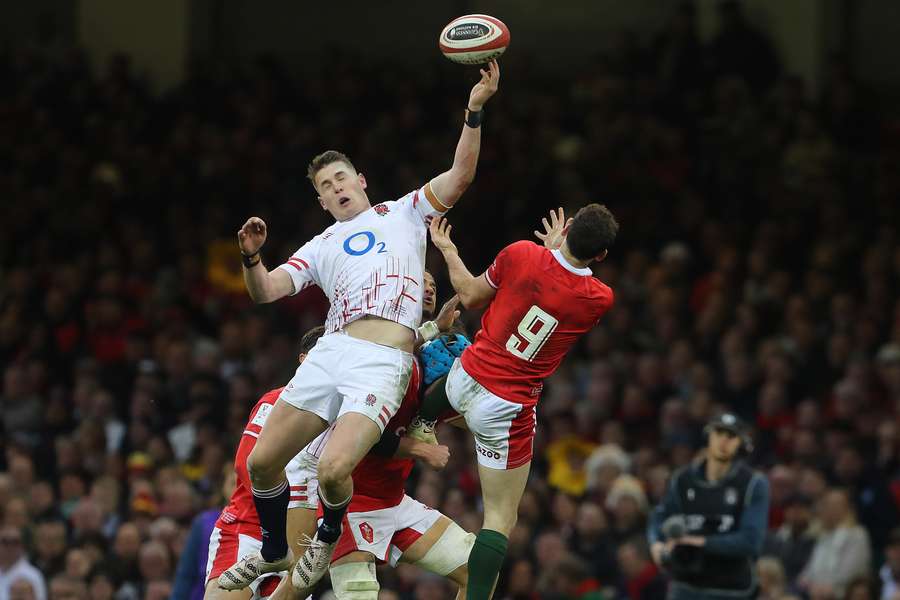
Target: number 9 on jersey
x=532 y=333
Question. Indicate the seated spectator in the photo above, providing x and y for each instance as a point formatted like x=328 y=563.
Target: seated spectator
x=569 y=579
x=14 y=565
x=642 y=579
x=63 y=587
x=862 y=588
x=793 y=542
x=628 y=504
x=591 y=541
x=772 y=579
x=841 y=554
x=22 y=589
x=890 y=570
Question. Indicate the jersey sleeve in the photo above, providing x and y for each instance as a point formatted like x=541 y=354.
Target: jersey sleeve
x=423 y=204
x=605 y=301
x=257 y=419
x=260 y=413
x=506 y=263
x=301 y=266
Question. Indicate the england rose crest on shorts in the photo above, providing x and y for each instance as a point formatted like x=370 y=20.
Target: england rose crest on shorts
x=371 y=399
x=366 y=531
x=382 y=209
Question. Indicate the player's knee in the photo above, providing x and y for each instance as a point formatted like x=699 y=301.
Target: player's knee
x=262 y=473
x=354 y=581
x=501 y=522
x=333 y=472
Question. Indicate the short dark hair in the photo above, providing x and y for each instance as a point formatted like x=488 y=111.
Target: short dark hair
x=323 y=160
x=593 y=230
x=310 y=338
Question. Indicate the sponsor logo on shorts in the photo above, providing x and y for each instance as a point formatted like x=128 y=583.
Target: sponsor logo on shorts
x=366 y=531
x=487 y=452
x=382 y=209
x=371 y=400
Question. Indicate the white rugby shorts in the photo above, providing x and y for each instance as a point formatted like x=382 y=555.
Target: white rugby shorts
x=385 y=533
x=344 y=374
x=503 y=430
x=302 y=477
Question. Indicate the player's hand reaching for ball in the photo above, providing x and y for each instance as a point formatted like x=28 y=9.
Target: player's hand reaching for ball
x=252 y=236
x=440 y=235
x=485 y=88
x=555 y=230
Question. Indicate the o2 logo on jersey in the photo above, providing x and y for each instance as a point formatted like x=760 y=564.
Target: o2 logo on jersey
x=532 y=333
x=361 y=242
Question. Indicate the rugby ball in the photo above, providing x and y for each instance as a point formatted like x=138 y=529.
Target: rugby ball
x=474 y=39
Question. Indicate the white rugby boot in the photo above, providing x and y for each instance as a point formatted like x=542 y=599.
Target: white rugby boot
x=250 y=568
x=313 y=564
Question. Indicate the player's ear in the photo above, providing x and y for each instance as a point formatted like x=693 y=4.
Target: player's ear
x=362 y=181
x=301 y=358
x=322 y=203
x=601 y=256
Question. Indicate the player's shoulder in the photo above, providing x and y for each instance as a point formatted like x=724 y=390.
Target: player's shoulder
x=683 y=474
x=525 y=248
x=602 y=292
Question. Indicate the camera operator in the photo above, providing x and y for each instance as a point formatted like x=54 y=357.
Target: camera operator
x=709 y=528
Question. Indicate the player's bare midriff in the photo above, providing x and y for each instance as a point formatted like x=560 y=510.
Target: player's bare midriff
x=382 y=331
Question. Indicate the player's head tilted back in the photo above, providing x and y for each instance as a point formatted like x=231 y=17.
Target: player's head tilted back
x=309 y=340
x=341 y=189
x=592 y=232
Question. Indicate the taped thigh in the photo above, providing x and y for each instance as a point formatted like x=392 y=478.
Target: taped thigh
x=354 y=581
x=449 y=552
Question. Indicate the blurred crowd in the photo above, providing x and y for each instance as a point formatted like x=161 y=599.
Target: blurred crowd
x=758 y=268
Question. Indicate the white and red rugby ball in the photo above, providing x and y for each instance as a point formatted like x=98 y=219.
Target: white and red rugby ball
x=474 y=39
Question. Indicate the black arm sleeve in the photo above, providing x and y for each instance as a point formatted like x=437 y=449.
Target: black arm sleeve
x=387 y=445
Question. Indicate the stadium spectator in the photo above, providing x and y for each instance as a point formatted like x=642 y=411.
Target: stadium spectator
x=889 y=573
x=842 y=552
x=792 y=543
x=14 y=565
x=642 y=579
x=772 y=579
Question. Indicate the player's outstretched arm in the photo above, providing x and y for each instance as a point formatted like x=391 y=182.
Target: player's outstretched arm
x=473 y=292
x=450 y=185
x=263 y=285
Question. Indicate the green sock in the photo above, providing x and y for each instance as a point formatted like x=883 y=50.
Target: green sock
x=485 y=561
x=435 y=402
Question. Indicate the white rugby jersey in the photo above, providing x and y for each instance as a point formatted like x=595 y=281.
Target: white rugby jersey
x=372 y=264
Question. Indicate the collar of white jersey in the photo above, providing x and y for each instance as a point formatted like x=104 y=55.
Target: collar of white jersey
x=569 y=266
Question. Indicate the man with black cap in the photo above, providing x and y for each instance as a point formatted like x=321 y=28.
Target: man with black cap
x=709 y=528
